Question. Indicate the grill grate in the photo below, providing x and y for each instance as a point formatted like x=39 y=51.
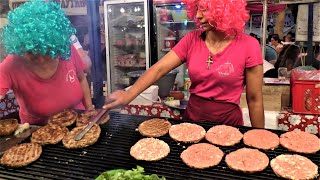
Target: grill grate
x=112 y=152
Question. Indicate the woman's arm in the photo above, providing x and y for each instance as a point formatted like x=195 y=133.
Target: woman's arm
x=254 y=80
x=86 y=91
x=154 y=73
x=86 y=60
x=83 y=55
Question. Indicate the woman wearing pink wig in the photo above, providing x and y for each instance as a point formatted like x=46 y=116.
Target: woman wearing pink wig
x=221 y=61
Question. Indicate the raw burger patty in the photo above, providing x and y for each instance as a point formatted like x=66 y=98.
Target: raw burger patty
x=21 y=155
x=88 y=139
x=64 y=118
x=224 y=135
x=49 y=134
x=154 y=127
x=85 y=118
x=300 y=141
x=261 y=139
x=294 y=167
x=150 y=149
x=187 y=132
x=202 y=155
x=247 y=160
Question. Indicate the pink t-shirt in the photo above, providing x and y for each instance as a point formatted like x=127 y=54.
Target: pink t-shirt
x=40 y=98
x=225 y=80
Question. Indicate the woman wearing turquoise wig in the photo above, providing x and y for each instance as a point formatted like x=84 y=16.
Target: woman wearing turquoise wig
x=42 y=68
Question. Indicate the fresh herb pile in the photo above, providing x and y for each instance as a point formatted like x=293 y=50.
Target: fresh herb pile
x=123 y=174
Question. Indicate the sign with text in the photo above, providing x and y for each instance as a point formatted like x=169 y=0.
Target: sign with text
x=70 y=7
x=294 y=1
x=302 y=23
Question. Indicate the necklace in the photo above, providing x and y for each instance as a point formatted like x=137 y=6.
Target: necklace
x=209 y=61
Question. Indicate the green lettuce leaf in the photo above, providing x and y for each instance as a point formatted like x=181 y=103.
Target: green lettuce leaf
x=122 y=174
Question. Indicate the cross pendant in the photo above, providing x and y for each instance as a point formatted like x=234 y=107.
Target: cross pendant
x=209 y=62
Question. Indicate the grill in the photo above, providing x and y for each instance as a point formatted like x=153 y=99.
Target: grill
x=112 y=152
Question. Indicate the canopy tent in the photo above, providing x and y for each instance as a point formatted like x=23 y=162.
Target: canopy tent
x=272 y=8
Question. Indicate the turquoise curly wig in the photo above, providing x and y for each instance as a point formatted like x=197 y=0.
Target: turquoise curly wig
x=38 y=27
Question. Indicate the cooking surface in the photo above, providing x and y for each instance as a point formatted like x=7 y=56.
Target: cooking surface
x=112 y=152
x=11 y=140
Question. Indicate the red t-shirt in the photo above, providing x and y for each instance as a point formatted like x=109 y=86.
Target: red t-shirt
x=225 y=80
x=40 y=98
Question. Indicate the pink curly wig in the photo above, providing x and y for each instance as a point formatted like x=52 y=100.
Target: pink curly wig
x=228 y=16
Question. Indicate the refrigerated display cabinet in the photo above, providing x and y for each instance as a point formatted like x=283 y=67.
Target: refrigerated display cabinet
x=171 y=24
x=126 y=33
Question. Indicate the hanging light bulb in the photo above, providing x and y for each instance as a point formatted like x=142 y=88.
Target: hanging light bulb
x=122 y=10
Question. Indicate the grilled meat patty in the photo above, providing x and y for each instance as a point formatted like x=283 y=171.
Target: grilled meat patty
x=202 y=155
x=300 y=141
x=64 y=118
x=154 y=127
x=294 y=167
x=247 y=160
x=224 y=135
x=21 y=155
x=49 y=134
x=150 y=149
x=85 y=117
x=187 y=132
x=261 y=139
x=88 y=139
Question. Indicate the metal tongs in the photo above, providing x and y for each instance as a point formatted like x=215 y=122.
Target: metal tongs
x=100 y=114
x=89 y=126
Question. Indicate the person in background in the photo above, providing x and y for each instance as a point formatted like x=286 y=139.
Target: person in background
x=4 y=8
x=271 y=55
x=253 y=35
x=221 y=61
x=276 y=43
x=43 y=69
x=270 y=30
x=289 y=37
x=316 y=60
x=84 y=56
x=288 y=57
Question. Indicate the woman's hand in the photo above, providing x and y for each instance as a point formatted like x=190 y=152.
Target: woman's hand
x=90 y=108
x=117 y=99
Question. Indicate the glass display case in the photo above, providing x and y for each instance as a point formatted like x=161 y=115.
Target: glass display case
x=171 y=24
x=126 y=32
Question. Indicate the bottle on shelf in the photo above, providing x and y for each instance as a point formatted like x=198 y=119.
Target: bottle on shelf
x=187 y=84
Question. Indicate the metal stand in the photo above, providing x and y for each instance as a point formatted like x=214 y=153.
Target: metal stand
x=310 y=35
x=264 y=26
x=95 y=53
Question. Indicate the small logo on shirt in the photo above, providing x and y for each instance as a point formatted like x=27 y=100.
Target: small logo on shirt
x=225 y=69
x=71 y=76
